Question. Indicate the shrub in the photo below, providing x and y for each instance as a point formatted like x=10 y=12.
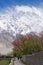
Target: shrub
x=16 y=53
x=31 y=47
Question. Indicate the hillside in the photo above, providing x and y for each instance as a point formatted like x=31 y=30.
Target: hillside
x=28 y=44
x=6 y=47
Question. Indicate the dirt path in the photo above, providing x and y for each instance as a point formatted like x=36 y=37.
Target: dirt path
x=18 y=62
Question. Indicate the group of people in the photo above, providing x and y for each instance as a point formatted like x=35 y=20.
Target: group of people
x=19 y=57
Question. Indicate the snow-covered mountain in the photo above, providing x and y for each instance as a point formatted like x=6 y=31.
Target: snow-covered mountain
x=20 y=20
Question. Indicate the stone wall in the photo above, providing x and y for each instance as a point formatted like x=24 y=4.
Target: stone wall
x=34 y=59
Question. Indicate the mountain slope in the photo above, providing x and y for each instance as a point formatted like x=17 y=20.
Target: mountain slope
x=6 y=48
x=21 y=20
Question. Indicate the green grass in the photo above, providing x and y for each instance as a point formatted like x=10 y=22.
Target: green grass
x=4 y=62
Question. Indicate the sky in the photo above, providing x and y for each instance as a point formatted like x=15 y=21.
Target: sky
x=9 y=3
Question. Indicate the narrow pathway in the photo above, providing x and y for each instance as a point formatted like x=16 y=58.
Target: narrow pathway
x=18 y=62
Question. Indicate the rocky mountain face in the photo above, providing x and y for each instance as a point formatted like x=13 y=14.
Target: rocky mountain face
x=20 y=20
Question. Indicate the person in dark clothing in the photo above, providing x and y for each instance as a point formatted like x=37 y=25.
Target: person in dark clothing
x=19 y=57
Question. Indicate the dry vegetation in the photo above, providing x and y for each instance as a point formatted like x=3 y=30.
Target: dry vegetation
x=28 y=44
